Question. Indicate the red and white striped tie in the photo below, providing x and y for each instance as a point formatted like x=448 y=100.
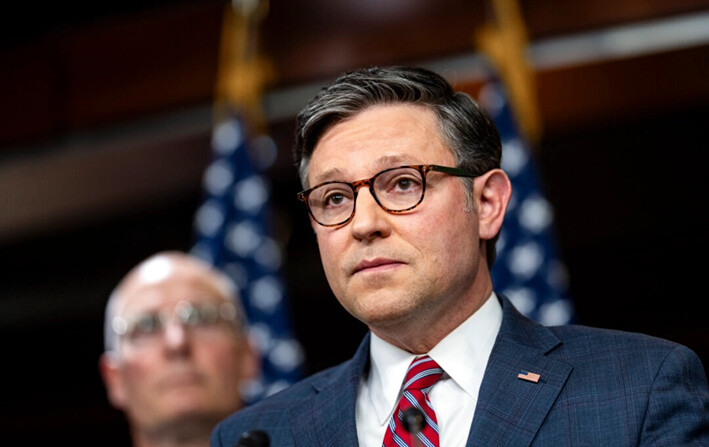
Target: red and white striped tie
x=422 y=374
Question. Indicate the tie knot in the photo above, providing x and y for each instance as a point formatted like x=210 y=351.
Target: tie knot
x=422 y=374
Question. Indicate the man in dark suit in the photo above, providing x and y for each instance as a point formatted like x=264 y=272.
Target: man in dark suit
x=406 y=198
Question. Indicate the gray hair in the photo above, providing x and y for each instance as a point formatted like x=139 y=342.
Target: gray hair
x=224 y=285
x=465 y=126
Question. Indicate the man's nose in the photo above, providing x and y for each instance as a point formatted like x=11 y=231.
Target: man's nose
x=370 y=220
x=176 y=337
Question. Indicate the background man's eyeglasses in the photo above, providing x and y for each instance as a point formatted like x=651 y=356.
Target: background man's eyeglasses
x=396 y=190
x=148 y=327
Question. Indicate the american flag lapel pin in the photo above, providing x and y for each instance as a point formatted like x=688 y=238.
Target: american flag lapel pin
x=528 y=376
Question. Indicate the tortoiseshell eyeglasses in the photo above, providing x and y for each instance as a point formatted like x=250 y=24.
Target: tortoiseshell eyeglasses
x=396 y=190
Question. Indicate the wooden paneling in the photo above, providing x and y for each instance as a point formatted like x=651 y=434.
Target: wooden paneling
x=124 y=67
x=318 y=39
x=555 y=17
x=612 y=91
x=113 y=70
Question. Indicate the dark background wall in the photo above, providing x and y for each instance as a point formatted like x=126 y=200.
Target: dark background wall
x=105 y=133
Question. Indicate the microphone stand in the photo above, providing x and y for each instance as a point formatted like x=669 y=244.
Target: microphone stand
x=414 y=421
x=254 y=438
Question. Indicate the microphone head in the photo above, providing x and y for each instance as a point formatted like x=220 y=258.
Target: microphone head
x=413 y=420
x=254 y=438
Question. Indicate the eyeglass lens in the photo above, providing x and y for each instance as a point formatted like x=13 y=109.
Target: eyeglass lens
x=150 y=325
x=395 y=190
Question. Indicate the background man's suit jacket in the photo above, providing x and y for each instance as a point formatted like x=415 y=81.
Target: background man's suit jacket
x=597 y=387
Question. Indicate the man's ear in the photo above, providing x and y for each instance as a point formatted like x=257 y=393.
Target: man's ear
x=108 y=366
x=492 y=194
x=250 y=364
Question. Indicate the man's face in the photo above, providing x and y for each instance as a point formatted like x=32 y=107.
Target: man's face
x=404 y=272
x=180 y=373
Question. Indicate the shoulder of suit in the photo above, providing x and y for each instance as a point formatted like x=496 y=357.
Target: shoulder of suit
x=268 y=413
x=593 y=343
x=573 y=332
x=303 y=389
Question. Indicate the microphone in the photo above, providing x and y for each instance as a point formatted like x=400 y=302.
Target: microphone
x=254 y=438
x=413 y=421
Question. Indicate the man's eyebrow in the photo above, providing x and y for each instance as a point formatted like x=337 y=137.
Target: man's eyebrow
x=381 y=163
x=327 y=175
x=389 y=161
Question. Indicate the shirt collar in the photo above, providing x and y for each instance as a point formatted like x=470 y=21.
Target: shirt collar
x=475 y=336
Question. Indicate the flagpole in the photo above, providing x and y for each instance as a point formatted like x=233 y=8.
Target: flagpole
x=504 y=40
x=243 y=71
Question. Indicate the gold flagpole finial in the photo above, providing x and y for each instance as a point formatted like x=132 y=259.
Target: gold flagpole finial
x=243 y=70
x=505 y=41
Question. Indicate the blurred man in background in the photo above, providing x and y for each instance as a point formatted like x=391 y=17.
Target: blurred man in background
x=176 y=353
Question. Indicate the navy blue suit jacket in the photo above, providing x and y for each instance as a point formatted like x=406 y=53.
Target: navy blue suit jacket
x=597 y=388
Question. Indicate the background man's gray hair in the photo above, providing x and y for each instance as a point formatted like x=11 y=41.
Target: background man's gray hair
x=465 y=125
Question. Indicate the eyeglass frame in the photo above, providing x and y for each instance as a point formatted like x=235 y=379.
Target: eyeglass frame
x=226 y=312
x=356 y=185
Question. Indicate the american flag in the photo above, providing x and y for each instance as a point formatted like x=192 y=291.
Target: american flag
x=528 y=269
x=232 y=232
x=529 y=376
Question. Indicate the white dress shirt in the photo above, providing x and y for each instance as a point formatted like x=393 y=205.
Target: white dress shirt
x=463 y=355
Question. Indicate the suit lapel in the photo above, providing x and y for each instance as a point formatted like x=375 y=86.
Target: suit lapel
x=510 y=410
x=328 y=418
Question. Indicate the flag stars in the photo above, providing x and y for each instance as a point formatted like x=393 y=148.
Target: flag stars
x=209 y=219
x=514 y=157
x=218 y=177
x=250 y=194
x=535 y=214
x=286 y=354
x=227 y=137
x=266 y=294
x=526 y=259
x=523 y=298
x=555 y=313
x=243 y=238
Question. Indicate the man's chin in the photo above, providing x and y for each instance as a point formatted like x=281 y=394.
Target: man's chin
x=384 y=315
x=186 y=403
x=185 y=424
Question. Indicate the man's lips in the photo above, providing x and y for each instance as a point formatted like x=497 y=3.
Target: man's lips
x=376 y=264
x=181 y=379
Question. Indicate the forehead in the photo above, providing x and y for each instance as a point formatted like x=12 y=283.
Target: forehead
x=165 y=285
x=377 y=138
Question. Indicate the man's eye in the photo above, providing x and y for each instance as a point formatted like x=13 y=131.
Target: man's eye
x=334 y=199
x=204 y=316
x=146 y=325
x=404 y=183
